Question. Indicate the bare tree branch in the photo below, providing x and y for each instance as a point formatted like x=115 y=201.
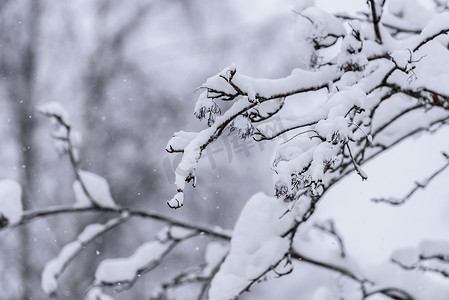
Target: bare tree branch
x=329 y=228
x=120 y=286
x=395 y=27
x=29 y=216
x=418 y=185
x=376 y=16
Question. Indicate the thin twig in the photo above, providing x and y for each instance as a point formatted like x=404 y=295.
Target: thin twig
x=74 y=161
x=376 y=19
x=399 y=295
x=418 y=185
x=125 y=285
x=357 y=168
x=330 y=229
x=29 y=216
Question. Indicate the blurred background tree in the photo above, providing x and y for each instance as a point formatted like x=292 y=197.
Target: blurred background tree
x=126 y=71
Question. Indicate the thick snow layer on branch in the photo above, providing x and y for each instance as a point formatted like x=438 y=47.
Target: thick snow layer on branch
x=297 y=81
x=436 y=26
x=315 y=28
x=125 y=270
x=220 y=82
x=429 y=69
x=54 y=109
x=407 y=257
x=10 y=201
x=180 y=140
x=273 y=88
x=185 y=171
x=431 y=248
x=407 y=14
x=56 y=266
x=97 y=187
x=417 y=284
x=206 y=108
x=173 y=233
x=215 y=252
x=426 y=249
x=321 y=25
x=256 y=245
x=307 y=155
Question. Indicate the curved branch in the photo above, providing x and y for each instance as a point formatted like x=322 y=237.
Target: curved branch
x=385 y=24
x=29 y=216
x=418 y=185
x=376 y=19
x=393 y=293
x=54 y=268
x=127 y=284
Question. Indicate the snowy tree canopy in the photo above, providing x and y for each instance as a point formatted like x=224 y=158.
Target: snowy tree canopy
x=383 y=80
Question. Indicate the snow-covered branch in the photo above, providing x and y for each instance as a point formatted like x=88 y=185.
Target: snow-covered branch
x=329 y=228
x=29 y=216
x=122 y=273
x=56 y=266
x=430 y=255
x=89 y=188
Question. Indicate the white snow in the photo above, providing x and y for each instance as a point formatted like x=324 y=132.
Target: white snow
x=10 y=200
x=256 y=244
x=173 y=233
x=177 y=200
x=270 y=88
x=56 y=266
x=215 y=252
x=427 y=249
x=413 y=14
x=314 y=26
x=125 y=270
x=95 y=293
x=307 y=156
x=180 y=140
x=52 y=109
x=97 y=187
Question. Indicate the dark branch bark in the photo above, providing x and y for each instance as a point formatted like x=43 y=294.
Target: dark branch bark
x=29 y=216
x=375 y=20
